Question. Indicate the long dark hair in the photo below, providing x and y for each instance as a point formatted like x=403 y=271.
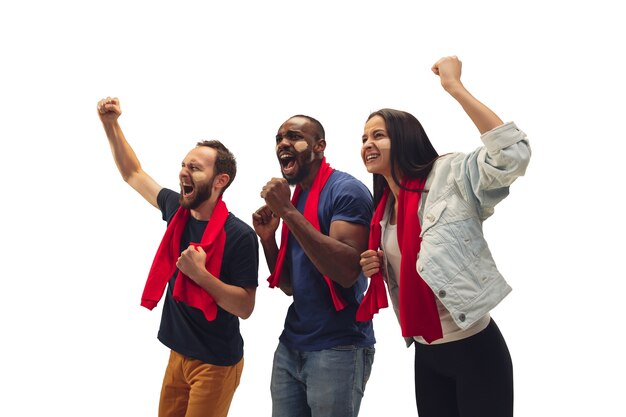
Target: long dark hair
x=411 y=151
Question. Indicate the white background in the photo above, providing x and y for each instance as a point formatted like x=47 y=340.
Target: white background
x=77 y=242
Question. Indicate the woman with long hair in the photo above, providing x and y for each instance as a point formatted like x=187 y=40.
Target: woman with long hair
x=427 y=244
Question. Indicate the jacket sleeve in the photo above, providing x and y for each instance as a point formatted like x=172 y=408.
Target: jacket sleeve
x=484 y=176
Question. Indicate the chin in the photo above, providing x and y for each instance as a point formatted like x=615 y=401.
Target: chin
x=294 y=178
x=188 y=204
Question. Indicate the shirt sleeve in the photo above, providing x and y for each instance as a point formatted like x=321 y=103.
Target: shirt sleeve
x=168 y=202
x=243 y=260
x=486 y=174
x=352 y=202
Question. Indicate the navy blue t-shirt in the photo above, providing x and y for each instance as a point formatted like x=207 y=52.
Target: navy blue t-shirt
x=184 y=329
x=312 y=323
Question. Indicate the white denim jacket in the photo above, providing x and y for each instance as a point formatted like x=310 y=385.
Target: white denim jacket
x=460 y=192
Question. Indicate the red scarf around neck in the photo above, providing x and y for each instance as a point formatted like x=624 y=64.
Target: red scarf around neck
x=418 y=309
x=310 y=213
x=167 y=254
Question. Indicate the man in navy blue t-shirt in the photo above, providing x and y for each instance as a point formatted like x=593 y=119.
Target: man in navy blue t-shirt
x=210 y=283
x=324 y=356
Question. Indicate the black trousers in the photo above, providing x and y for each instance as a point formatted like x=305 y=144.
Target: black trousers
x=471 y=377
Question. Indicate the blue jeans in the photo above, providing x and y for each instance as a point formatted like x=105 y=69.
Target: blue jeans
x=324 y=383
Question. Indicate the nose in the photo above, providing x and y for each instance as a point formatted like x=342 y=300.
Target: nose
x=283 y=143
x=184 y=172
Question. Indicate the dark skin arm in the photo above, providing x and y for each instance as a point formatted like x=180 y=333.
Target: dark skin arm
x=265 y=225
x=336 y=255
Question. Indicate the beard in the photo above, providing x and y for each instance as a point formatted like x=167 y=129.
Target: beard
x=203 y=193
x=304 y=169
x=303 y=172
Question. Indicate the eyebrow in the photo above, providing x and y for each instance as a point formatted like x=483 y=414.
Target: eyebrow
x=373 y=132
x=289 y=133
x=193 y=162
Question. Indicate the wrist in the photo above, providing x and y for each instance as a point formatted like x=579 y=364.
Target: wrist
x=110 y=125
x=453 y=86
x=285 y=211
x=269 y=243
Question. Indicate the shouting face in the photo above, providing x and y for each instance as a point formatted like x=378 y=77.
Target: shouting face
x=295 y=142
x=196 y=177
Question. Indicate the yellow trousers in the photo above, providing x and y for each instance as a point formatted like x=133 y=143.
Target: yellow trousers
x=192 y=388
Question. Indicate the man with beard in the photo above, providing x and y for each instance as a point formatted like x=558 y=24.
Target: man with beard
x=324 y=356
x=209 y=258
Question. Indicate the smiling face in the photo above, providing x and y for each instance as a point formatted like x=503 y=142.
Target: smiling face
x=196 y=177
x=376 y=149
x=296 y=143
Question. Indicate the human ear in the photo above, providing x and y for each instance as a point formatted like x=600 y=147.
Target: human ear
x=221 y=180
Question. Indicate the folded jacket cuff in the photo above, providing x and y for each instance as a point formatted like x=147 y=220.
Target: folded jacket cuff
x=502 y=137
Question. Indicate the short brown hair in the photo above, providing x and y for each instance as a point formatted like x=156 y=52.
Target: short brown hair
x=225 y=162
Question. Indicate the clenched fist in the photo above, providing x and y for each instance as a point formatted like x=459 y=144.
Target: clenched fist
x=109 y=109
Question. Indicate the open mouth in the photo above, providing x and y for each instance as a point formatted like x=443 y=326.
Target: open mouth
x=371 y=157
x=287 y=163
x=187 y=189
